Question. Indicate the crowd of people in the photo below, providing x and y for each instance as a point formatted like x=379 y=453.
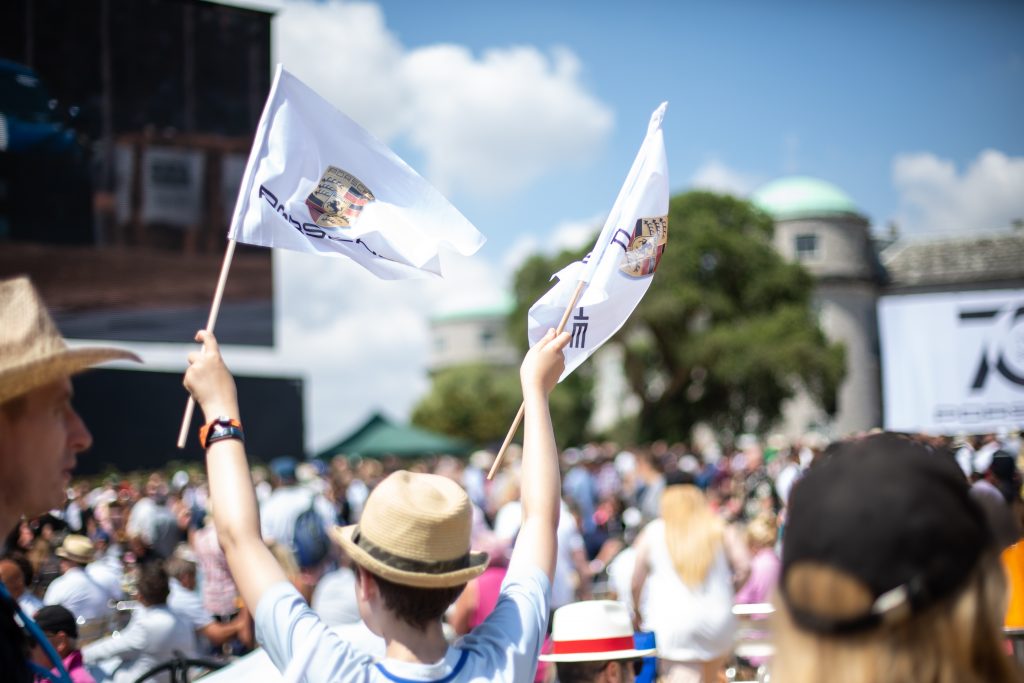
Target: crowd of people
x=884 y=557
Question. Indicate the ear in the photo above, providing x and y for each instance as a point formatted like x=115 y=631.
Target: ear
x=365 y=584
x=613 y=672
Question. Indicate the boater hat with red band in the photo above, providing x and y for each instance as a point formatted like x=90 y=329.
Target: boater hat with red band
x=593 y=631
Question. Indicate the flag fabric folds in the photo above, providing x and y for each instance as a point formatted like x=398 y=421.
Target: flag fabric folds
x=317 y=182
x=620 y=267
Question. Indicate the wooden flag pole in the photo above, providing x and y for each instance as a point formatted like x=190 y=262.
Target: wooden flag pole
x=190 y=407
x=522 y=406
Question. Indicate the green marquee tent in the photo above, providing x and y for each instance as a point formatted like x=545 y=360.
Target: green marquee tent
x=380 y=436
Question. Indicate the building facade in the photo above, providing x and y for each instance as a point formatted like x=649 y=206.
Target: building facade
x=820 y=227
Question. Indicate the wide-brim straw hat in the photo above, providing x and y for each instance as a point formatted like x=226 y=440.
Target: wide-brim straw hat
x=77 y=549
x=415 y=531
x=593 y=631
x=32 y=351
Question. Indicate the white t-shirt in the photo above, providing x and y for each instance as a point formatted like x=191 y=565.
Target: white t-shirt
x=82 y=595
x=691 y=623
x=279 y=514
x=503 y=648
x=189 y=606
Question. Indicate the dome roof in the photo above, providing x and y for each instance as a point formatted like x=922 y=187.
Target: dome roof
x=802 y=197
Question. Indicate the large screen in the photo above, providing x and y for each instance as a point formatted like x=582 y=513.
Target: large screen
x=125 y=127
x=134 y=418
x=953 y=362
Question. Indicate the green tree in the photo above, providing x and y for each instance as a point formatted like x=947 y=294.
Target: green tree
x=478 y=403
x=726 y=332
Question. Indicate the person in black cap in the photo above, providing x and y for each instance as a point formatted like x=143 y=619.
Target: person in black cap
x=890 y=572
x=60 y=628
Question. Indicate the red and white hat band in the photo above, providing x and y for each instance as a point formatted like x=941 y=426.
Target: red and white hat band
x=592 y=646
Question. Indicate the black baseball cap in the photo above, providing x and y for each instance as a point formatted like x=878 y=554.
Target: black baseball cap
x=894 y=514
x=55 y=618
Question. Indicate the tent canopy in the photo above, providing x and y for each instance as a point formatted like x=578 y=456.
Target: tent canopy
x=380 y=436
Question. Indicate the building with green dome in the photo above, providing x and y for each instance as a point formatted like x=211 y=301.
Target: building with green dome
x=819 y=226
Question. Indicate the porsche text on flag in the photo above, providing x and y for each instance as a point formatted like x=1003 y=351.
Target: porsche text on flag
x=317 y=182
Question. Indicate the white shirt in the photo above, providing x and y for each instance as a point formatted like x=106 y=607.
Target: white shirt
x=256 y=666
x=189 y=606
x=82 y=595
x=690 y=623
x=279 y=514
x=108 y=573
x=784 y=482
x=153 y=636
x=504 y=647
x=155 y=524
x=334 y=600
x=29 y=603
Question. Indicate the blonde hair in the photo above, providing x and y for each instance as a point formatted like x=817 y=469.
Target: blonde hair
x=762 y=532
x=693 y=533
x=959 y=640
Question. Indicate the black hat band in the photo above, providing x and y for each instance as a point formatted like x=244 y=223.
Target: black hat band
x=405 y=563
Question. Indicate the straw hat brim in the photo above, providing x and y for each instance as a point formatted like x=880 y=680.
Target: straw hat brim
x=20 y=379
x=81 y=559
x=343 y=536
x=598 y=656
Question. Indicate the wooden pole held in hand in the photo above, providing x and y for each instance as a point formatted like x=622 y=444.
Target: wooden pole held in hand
x=190 y=407
x=522 y=406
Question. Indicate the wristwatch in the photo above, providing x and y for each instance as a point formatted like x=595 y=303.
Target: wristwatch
x=220 y=428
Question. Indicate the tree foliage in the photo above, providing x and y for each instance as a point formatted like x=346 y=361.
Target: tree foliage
x=726 y=331
x=478 y=403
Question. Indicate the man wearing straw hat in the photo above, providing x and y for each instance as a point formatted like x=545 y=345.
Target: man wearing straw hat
x=75 y=588
x=40 y=432
x=592 y=642
x=411 y=549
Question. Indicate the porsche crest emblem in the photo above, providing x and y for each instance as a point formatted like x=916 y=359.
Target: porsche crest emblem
x=338 y=199
x=646 y=245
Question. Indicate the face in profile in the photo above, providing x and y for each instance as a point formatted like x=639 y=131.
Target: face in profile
x=39 y=441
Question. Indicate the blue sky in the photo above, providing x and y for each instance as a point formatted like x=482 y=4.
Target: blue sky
x=835 y=90
x=527 y=115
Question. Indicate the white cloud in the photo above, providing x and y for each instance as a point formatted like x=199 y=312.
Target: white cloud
x=361 y=342
x=716 y=176
x=935 y=197
x=488 y=124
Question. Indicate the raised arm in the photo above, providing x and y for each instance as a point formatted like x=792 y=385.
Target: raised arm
x=235 y=512
x=541 y=487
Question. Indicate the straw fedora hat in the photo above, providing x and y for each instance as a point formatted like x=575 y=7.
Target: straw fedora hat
x=77 y=549
x=593 y=631
x=414 y=531
x=32 y=351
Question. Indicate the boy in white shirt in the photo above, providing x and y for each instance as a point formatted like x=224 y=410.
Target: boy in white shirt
x=411 y=549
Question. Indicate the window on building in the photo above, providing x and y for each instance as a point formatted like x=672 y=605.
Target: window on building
x=807 y=247
x=487 y=336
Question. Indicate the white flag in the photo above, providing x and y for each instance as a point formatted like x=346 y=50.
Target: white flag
x=317 y=182
x=620 y=267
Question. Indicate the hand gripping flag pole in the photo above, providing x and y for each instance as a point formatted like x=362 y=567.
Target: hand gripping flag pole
x=613 y=277
x=218 y=294
x=522 y=406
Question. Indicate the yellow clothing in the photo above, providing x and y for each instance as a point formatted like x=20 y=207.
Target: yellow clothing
x=1013 y=563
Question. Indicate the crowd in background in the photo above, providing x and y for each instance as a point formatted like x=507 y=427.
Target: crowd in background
x=679 y=534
